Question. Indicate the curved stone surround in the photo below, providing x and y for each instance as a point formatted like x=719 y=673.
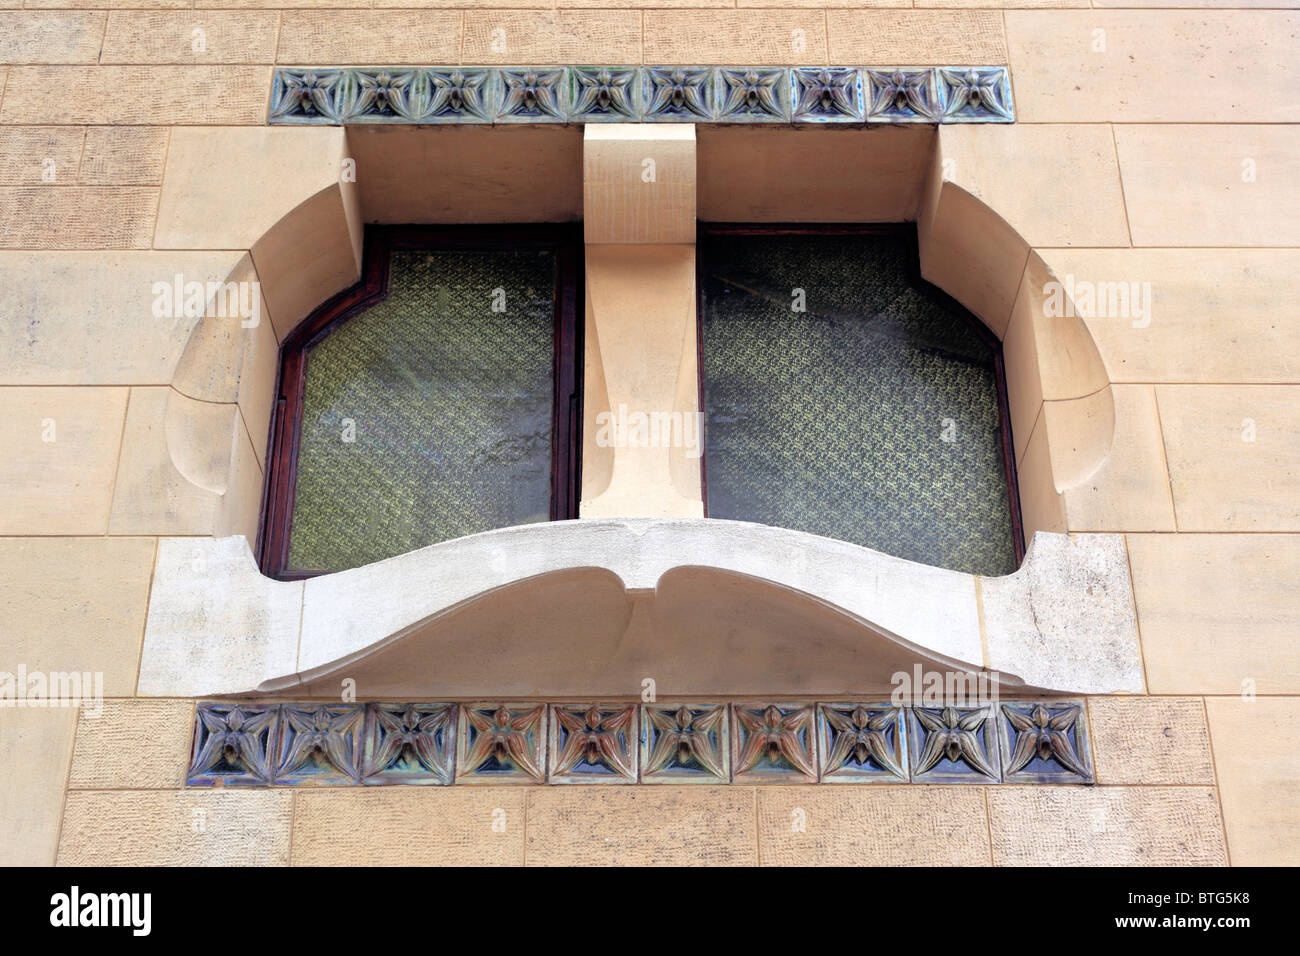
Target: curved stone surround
x=650 y=94
x=594 y=607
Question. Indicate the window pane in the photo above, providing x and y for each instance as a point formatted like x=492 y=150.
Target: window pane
x=871 y=417
x=428 y=416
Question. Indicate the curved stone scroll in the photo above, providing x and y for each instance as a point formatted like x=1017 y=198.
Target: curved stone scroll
x=594 y=607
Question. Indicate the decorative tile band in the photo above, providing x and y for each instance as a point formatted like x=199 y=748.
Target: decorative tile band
x=322 y=744
x=651 y=94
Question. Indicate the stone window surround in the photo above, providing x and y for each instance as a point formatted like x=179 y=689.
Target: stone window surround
x=1063 y=622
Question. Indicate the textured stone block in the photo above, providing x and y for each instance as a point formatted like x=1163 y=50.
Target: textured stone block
x=636 y=826
x=923 y=38
x=176 y=828
x=1105 y=826
x=47 y=37
x=39 y=155
x=872 y=826
x=77 y=217
x=124 y=155
x=361 y=37
x=194 y=37
x=739 y=37
x=1146 y=740
x=35 y=747
x=133 y=745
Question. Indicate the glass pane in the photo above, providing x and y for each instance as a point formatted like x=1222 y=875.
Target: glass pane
x=428 y=416
x=871 y=416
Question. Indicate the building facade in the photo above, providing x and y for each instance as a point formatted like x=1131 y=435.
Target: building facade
x=633 y=433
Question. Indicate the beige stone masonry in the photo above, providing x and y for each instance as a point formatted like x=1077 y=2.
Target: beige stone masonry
x=1105 y=826
x=409 y=826
x=176 y=828
x=1218 y=612
x=31 y=155
x=279 y=192
x=1234 y=455
x=191 y=37
x=137 y=95
x=1213 y=185
x=133 y=745
x=873 y=826
x=1150 y=740
x=76 y=217
x=187 y=467
x=638 y=184
x=916 y=37
x=31 y=801
x=1239 y=296
x=1259 y=777
x=130 y=155
x=61 y=446
x=1157 y=66
x=642 y=826
x=75 y=605
x=739 y=37
x=362 y=37
x=48 y=37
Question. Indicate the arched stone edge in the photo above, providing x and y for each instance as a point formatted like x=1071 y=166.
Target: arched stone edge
x=1064 y=622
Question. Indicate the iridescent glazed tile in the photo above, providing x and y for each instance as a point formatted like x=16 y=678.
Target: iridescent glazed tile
x=685 y=743
x=501 y=743
x=458 y=96
x=320 y=744
x=953 y=745
x=972 y=94
x=753 y=95
x=532 y=95
x=310 y=95
x=861 y=743
x=232 y=744
x=1044 y=742
x=901 y=96
x=677 y=94
x=593 y=743
x=773 y=743
x=409 y=743
x=603 y=94
x=826 y=95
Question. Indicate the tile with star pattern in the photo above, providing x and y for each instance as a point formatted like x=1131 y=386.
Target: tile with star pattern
x=1044 y=742
x=685 y=743
x=593 y=743
x=408 y=743
x=319 y=744
x=861 y=743
x=774 y=743
x=233 y=744
x=501 y=743
x=953 y=744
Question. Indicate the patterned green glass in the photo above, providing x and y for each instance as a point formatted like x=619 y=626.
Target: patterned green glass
x=428 y=416
x=870 y=416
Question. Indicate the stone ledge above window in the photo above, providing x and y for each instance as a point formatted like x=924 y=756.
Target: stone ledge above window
x=593 y=608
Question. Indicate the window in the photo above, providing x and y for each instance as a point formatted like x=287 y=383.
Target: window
x=437 y=398
x=846 y=397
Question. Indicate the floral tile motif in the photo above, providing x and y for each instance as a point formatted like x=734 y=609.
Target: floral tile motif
x=501 y=743
x=593 y=744
x=408 y=743
x=532 y=96
x=319 y=743
x=232 y=743
x=953 y=745
x=604 y=94
x=861 y=743
x=675 y=94
x=753 y=95
x=901 y=96
x=458 y=96
x=975 y=94
x=678 y=93
x=1044 y=742
x=310 y=95
x=773 y=743
x=827 y=95
x=685 y=743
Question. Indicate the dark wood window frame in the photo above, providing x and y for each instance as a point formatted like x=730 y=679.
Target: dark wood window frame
x=565 y=239
x=906 y=232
